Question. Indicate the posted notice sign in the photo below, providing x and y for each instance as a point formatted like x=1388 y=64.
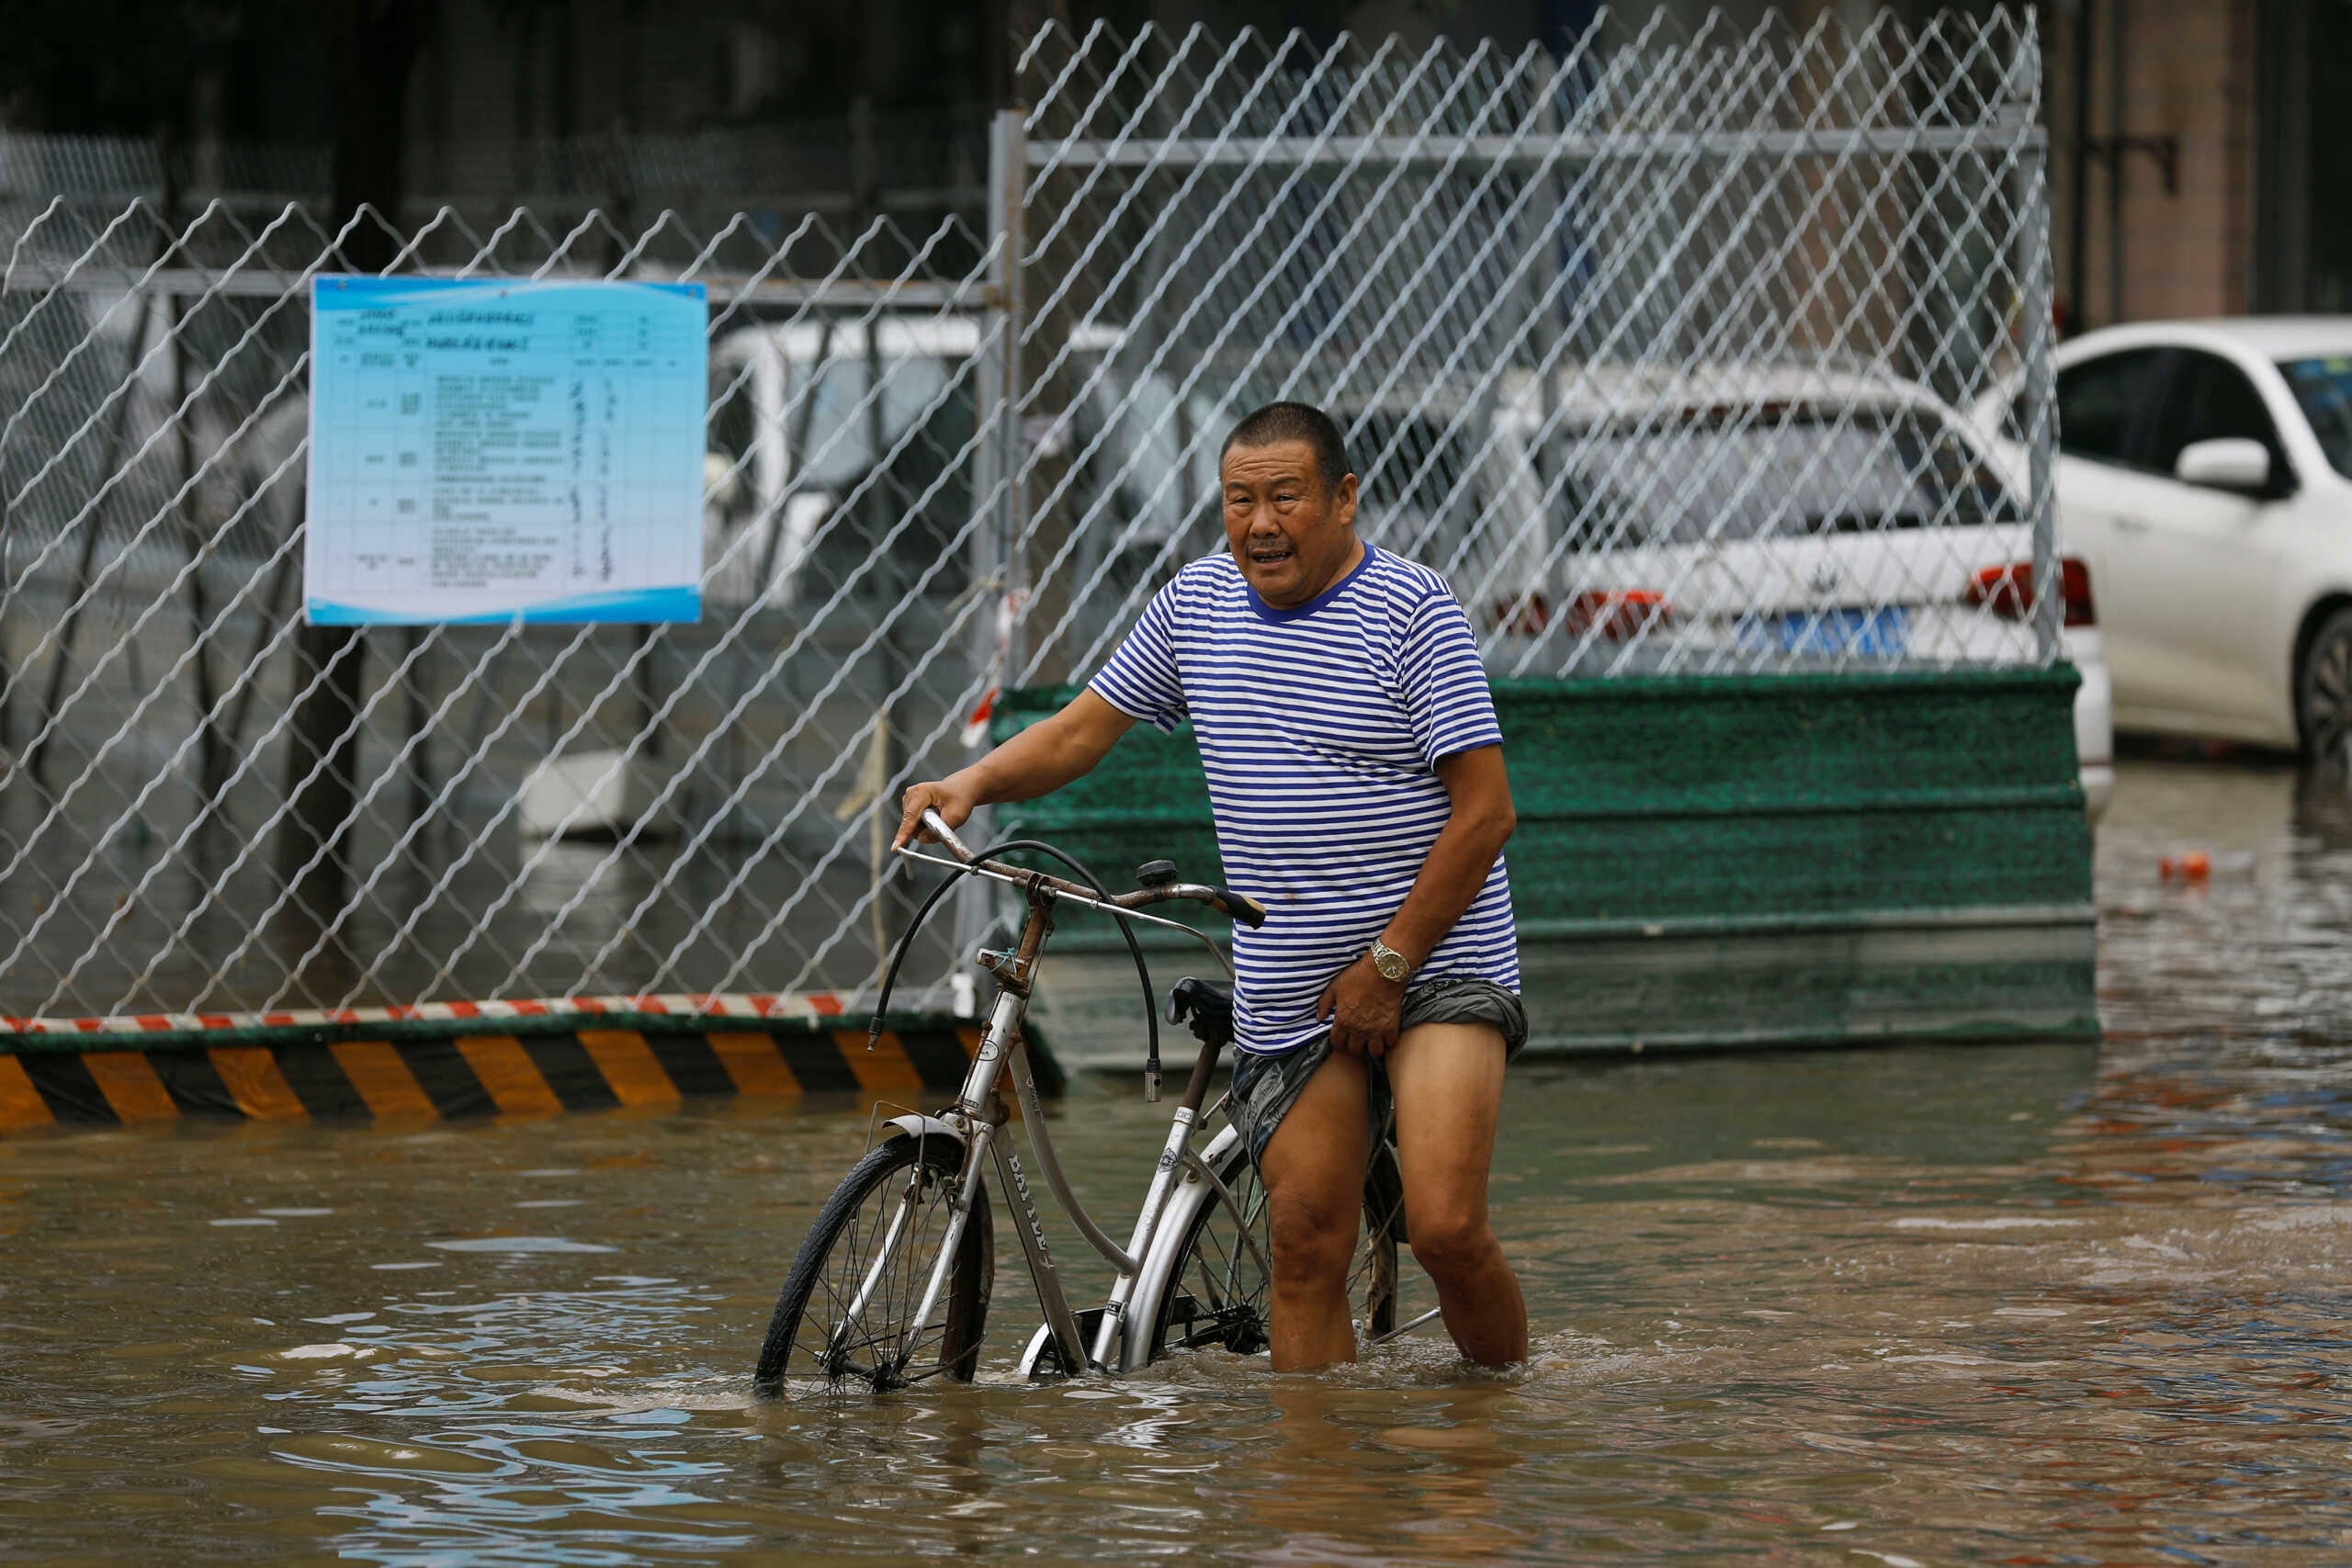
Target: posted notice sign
x=483 y=450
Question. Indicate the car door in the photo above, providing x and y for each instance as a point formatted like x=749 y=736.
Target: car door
x=2103 y=402
x=2191 y=571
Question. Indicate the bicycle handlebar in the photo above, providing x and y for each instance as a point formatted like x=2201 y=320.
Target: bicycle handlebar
x=1223 y=901
x=936 y=825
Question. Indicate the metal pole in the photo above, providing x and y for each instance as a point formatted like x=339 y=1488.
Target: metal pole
x=889 y=907
x=1007 y=179
x=2032 y=219
x=213 y=758
x=994 y=543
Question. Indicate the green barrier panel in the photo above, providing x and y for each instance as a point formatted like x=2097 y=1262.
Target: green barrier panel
x=1728 y=860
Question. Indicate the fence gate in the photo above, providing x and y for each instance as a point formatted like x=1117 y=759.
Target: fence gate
x=1661 y=351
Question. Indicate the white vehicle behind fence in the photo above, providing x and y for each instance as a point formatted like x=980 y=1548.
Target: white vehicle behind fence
x=793 y=436
x=1724 y=519
x=1702 y=520
x=2204 y=469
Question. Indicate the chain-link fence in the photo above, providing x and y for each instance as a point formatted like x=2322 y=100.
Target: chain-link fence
x=1659 y=351
x=152 y=466
x=918 y=168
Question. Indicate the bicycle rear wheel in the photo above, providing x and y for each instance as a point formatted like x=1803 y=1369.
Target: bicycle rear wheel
x=1218 y=1294
x=846 y=1312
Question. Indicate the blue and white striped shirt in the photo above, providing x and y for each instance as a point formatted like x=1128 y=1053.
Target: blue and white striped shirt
x=1320 y=727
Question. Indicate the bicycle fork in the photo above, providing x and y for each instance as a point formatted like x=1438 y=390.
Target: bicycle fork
x=979 y=1135
x=969 y=1189
x=1042 y=1269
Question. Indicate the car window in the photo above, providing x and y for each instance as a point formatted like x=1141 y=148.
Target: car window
x=2209 y=398
x=732 y=411
x=1137 y=432
x=841 y=421
x=2096 y=400
x=2324 y=387
x=1778 y=473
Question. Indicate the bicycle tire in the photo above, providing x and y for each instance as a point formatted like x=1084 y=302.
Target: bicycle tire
x=1217 y=1296
x=806 y=1339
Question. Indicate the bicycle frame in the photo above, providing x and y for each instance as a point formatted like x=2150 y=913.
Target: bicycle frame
x=970 y=1121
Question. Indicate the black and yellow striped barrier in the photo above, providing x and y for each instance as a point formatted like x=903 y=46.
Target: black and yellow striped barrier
x=419 y=1069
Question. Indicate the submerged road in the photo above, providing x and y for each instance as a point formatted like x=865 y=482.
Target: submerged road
x=1935 y=1305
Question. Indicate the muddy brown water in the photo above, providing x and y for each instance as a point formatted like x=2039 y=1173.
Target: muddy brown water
x=2028 y=1305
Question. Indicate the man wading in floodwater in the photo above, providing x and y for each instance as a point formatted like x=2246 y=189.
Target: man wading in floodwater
x=1356 y=771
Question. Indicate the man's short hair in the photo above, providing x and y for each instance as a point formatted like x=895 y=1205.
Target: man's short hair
x=1295 y=421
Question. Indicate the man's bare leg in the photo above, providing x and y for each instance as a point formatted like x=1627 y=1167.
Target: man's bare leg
x=1448 y=1079
x=1313 y=1168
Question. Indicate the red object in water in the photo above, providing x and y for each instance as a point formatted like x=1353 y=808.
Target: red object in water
x=2194 y=867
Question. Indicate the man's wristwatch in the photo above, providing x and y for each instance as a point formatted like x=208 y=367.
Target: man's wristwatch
x=1388 y=961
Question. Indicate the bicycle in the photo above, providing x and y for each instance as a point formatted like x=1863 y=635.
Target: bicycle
x=892 y=1286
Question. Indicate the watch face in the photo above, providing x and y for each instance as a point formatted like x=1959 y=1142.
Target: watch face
x=1390 y=963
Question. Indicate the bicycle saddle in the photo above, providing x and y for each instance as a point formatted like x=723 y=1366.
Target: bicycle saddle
x=1208 y=1007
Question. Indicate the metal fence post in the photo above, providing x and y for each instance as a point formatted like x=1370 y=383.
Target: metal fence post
x=1009 y=198
x=322 y=726
x=212 y=757
x=995 y=544
x=2031 y=206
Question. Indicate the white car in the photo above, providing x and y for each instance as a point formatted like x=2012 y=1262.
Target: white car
x=2204 y=472
x=792 y=430
x=1721 y=518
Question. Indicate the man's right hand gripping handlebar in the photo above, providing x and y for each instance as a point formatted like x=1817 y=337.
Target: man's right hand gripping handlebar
x=953 y=809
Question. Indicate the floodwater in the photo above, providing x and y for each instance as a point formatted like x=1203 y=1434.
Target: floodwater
x=2066 y=1304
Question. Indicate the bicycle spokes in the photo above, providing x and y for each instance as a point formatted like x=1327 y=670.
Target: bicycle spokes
x=859 y=1322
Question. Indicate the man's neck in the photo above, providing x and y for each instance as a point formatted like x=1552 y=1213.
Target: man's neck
x=1348 y=563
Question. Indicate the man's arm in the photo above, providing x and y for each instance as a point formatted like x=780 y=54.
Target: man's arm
x=1038 y=760
x=1363 y=1007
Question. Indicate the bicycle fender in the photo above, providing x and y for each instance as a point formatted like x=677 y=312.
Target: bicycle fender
x=1158 y=1274
x=1159 y=1261
x=925 y=1127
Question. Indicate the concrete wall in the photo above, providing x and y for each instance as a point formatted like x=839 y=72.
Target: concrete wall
x=2188 y=72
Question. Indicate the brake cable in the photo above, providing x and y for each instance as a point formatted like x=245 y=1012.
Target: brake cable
x=1143 y=975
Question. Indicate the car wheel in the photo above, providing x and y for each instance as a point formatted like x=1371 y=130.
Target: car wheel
x=2324 y=692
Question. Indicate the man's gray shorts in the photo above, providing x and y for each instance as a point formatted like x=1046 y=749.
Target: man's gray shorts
x=1264 y=1088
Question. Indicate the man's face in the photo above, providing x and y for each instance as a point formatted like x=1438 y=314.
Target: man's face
x=1290 y=533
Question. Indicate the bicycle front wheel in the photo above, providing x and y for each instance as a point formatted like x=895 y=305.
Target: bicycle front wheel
x=847 y=1310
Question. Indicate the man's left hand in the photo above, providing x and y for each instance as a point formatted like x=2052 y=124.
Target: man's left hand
x=1364 y=1009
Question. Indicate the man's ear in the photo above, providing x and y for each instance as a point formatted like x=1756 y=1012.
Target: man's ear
x=1343 y=499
